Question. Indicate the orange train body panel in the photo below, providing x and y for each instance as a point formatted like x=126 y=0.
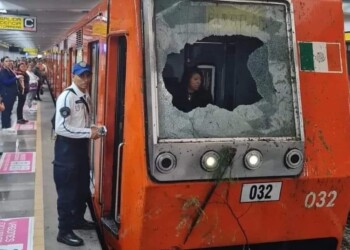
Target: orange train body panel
x=226 y=221
x=154 y=215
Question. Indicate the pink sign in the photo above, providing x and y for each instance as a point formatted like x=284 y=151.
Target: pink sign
x=31 y=125
x=16 y=233
x=19 y=162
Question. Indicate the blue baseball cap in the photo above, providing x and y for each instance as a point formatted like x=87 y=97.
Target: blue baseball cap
x=80 y=68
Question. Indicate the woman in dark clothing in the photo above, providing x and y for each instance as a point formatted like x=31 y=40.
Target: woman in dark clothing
x=191 y=93
x=23 y=90
x=8 y=91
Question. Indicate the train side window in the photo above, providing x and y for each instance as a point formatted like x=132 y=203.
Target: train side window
x=65 y=70
x=94 y=61
x=348 y=56
x=246 y=52
x=78 y=55
x=119 y=125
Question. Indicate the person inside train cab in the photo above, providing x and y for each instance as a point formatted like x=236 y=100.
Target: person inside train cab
x=191 y=93
x=71 y=155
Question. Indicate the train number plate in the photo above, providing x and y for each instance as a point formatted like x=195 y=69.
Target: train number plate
x=256 y=192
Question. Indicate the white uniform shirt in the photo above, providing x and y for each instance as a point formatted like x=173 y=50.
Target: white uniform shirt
x=77 y=124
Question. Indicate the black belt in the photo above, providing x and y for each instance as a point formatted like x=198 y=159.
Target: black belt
x=72 y=140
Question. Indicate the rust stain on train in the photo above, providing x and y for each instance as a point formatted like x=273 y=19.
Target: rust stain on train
x=323 y=140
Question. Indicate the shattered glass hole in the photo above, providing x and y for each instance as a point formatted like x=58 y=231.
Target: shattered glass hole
x=223 y=64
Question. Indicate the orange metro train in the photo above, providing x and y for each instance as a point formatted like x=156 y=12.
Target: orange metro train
x=265 y=165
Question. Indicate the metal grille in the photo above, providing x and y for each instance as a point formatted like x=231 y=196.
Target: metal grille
x=79 y=39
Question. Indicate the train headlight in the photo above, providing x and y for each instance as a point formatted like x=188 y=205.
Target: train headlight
x=165 y=162
x=294 y=158
x=253 y=159
x=210 y=161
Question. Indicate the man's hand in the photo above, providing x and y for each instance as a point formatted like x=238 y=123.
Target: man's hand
x=19 y=76
x=94 y=133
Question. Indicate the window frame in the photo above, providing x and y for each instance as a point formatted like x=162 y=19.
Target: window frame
x=152 y=78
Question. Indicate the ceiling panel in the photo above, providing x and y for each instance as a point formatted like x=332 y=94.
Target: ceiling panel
x=54 y=18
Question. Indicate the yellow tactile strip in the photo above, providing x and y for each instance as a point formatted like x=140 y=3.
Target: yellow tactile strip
x=39 y=237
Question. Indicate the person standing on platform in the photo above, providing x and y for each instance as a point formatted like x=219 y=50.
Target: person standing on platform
x=71 y=160
x=44 y=72
x=23 y=90
x=8 y=91
x=37 y=71
x=33 y=85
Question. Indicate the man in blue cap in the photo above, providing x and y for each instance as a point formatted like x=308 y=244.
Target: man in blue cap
x=71 y=163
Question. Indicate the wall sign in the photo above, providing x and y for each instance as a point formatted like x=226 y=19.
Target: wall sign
x=23 y=23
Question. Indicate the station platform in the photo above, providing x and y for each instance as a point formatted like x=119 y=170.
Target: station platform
x=28 y=215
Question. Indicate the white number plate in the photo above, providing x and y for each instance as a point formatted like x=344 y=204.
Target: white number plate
x=255 y=192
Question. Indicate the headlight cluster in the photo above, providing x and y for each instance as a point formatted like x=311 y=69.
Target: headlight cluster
x=210 y=160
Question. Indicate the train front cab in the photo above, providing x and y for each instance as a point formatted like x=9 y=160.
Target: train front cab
x=266 y=165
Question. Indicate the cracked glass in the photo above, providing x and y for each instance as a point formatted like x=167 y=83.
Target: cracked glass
x=243 y=51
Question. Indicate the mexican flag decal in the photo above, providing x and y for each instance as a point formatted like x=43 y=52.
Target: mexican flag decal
x=320 y=57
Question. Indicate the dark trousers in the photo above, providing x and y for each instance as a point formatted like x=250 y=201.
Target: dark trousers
x=40 y=84
x=9 y=100
x=21 y=101
x=72 y=179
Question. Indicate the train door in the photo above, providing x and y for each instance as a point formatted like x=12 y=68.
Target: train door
x=55 y=73
x=94 y=61
x=110 y=186
x=70 y=64
x=347 y=44
x=74 y=57
x=61 y=73
x=65 y=71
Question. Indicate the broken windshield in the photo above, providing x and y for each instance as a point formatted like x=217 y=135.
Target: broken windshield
x=239 y=57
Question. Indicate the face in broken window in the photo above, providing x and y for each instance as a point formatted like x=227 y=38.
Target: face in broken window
x=246 y=73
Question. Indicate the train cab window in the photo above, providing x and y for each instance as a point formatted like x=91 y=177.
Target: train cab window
x=78 y=55
x=94 y=61
x=244 y=52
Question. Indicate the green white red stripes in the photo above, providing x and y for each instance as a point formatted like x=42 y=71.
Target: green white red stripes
x=320 y=57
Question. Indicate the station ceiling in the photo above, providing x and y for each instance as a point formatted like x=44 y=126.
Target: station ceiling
x=346 y=8
x=54 y=18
